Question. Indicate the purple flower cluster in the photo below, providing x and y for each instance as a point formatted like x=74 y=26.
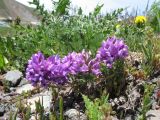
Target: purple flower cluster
x=75 y=63
x=35 y=70
x=81 y=63
x=56 y=70
x=111 y=50
x=45 y=71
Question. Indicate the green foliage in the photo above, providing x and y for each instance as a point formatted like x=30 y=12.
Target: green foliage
x=100 y=109
x=6 y=85
x=40 y=8
x=27 y=116
x=2 y=62
x=6 y=50
x=25 y=111
x=58 y=33
x=92 y=109
x=149 y=55
x=132 y=35
x=13 y=116
x=4 y=31
x=40 y=110
x=140 y=40
x=61 y=7
x=97 y=9
x=114 y=78
x=146 y=102
x=154 y=16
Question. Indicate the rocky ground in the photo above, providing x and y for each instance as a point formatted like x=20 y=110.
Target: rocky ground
x=14 y=87
x=15 y=90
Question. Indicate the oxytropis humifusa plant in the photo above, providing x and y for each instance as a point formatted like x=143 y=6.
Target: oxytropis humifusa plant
x=56 y=71
x=112 y=54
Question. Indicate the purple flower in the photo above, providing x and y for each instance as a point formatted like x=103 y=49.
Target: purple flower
x=56 y=72
x=94 y=66
x=36 y=68
x=81 y=62
x=46 y=71
x=76 y=62
x=111 y=50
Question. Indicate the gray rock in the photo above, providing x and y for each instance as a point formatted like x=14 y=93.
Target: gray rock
x=2 y=110
x=130 y=77
x=128 y=117
x=44 y=97
x=7 y=107
x=155 y=80
x=116 y=101
x=24 y=88
x=12 y=89
x=14 y=77
x=122 y=100
x=114 y=118
x=6 y=116
x=74 y=114
x=154 y=104
x=134 y=98
x=153 y=115
x=18 y=118
x=23 y=82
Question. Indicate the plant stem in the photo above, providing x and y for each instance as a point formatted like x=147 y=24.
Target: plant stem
x=61 y=107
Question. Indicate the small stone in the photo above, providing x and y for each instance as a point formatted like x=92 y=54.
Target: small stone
x=2 y=110
x=155 y=80
x=113 y=104
x=116 y=101
x=33 y=117
x=135 y=95
x=23 y=82
x=153 y=115
x=154 y=104
x=12 y=89
x=73 y=114
x=44 y=97
x=130 y=77
x=24 y=88
x=114 y=118
x=122 y=100
x=128 y=117
x=14 y=77
x=18 y=118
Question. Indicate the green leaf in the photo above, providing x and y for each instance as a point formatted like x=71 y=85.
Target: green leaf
x=62 y=6
x=2 y=61
x=97 y=9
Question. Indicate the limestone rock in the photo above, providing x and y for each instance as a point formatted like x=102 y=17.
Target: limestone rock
x=74 y=114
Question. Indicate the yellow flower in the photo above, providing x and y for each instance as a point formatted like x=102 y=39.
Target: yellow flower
x=140 y=19
x=118 y=26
